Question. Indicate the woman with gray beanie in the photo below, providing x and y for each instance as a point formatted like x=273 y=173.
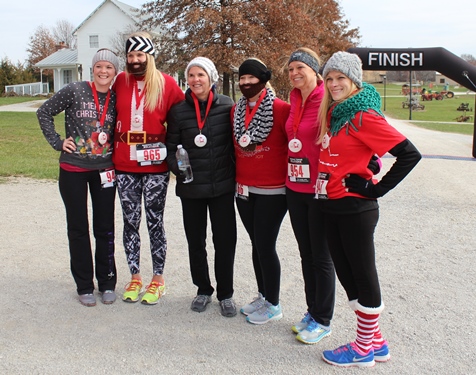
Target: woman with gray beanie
x=86 y=165
x=352 y=130
x=201 y=124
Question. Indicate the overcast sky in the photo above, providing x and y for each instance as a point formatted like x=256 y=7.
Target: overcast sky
x=382 y=23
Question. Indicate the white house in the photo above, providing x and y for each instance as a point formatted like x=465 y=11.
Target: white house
x=110 y=19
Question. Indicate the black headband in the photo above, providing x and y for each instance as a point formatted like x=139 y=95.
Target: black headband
x=140 y=43
x=256 y=69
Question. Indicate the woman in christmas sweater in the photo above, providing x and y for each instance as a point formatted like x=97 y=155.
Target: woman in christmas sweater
x=354 y=129
x=86 y=163
x=302 y=129
x=145 y=95
x=260 y=149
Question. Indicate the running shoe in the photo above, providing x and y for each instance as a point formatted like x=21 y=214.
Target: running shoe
x=265 y=313
x=298 y=327
x=347 y=356
x=313 y=333
x=254 y=305
x=382 y=354
x=133 y=290
x=153 y=293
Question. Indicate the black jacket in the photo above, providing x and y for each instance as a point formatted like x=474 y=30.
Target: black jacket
x=213 y=165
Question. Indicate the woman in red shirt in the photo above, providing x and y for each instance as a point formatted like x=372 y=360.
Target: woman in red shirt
x=260 y=149
x=353 y=130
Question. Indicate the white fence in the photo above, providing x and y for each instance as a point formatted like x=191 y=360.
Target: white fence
x=36 y=88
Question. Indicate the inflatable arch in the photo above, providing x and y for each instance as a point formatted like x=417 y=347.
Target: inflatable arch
x=438 y=59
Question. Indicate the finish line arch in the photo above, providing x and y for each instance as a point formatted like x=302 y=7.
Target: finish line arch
x=410 y=59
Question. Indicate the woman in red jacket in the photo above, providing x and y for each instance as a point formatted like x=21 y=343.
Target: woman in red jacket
x=353 y=130
x=261 y=150
x=144 y=97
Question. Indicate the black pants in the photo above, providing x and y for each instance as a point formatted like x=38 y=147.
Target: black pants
x=262 y=216
x=223 y=222
x=73 y=187
x=318 y=272
x=351 y=242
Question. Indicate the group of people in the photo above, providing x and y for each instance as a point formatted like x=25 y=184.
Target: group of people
x=313 y=157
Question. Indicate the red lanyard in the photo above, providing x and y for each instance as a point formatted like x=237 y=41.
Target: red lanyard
x=138 y=96
x=201 y=123
x=298 y=115
x=251 y=112
x=101 y=116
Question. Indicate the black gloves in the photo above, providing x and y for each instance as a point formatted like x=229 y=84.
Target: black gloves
x=374 y=165
x=356 y=184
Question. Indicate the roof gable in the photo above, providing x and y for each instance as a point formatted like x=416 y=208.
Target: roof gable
x=128 y=10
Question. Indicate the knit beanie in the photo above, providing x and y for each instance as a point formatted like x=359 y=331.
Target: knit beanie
x=256 y=69
x=305 y=58
x=207 y=65
x=347 y=63
x=105 y=54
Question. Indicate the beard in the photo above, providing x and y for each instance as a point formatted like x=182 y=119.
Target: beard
x=251 y=90
x=137 y=68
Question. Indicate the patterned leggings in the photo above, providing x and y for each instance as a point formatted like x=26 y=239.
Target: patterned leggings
x=131 y=188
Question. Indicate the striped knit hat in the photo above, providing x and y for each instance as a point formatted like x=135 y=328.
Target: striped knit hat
x=140 y=43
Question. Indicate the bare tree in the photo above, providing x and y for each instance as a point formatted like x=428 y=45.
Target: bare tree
x=42 y=44
x=63 y=33
x=469 y=58
x=229 y=31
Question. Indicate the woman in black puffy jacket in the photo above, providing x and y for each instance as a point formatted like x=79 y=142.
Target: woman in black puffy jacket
x=202 y=125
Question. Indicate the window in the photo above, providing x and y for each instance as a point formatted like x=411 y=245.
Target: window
x=94 y=41
x=67 y=76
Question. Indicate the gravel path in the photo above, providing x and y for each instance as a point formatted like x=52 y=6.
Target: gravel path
x=426 y=255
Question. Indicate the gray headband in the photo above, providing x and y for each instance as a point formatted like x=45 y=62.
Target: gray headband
x=306 y=59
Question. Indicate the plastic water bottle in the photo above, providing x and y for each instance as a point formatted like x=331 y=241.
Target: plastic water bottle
x=183 y=164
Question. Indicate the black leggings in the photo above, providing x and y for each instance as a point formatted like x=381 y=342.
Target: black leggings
x=73 y=187
x=351 y=242
x=307 y=221
x=262 y=216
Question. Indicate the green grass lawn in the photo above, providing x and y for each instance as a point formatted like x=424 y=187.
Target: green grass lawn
x=24 y=151
x=18 y=99
x=436 y=113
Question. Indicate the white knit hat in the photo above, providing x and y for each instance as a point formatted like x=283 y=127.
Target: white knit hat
x=105 y=54
x=347 y=63
x=207 y=65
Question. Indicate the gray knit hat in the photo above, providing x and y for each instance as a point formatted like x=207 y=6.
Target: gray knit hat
x=105 y=54
x=347 y=63
x=207 y=65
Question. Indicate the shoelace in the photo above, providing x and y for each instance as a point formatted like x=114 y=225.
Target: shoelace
x=201 y=298
x=227 y=303
x=134 y=285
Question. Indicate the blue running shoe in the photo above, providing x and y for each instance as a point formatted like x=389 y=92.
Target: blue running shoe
x=313 y=333
x=347 y=356
x=298 y=327
x=382 y=354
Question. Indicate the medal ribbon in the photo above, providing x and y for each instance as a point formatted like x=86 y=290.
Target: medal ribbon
x=201 y=123
x=101 y=116
x=138 y=96
x=298 y=115
x=251 y=112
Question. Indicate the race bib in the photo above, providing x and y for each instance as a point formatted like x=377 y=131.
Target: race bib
x=108 y=177
x=150 y=153
x=299 y=171
x=242 y=192
x=321 y=185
